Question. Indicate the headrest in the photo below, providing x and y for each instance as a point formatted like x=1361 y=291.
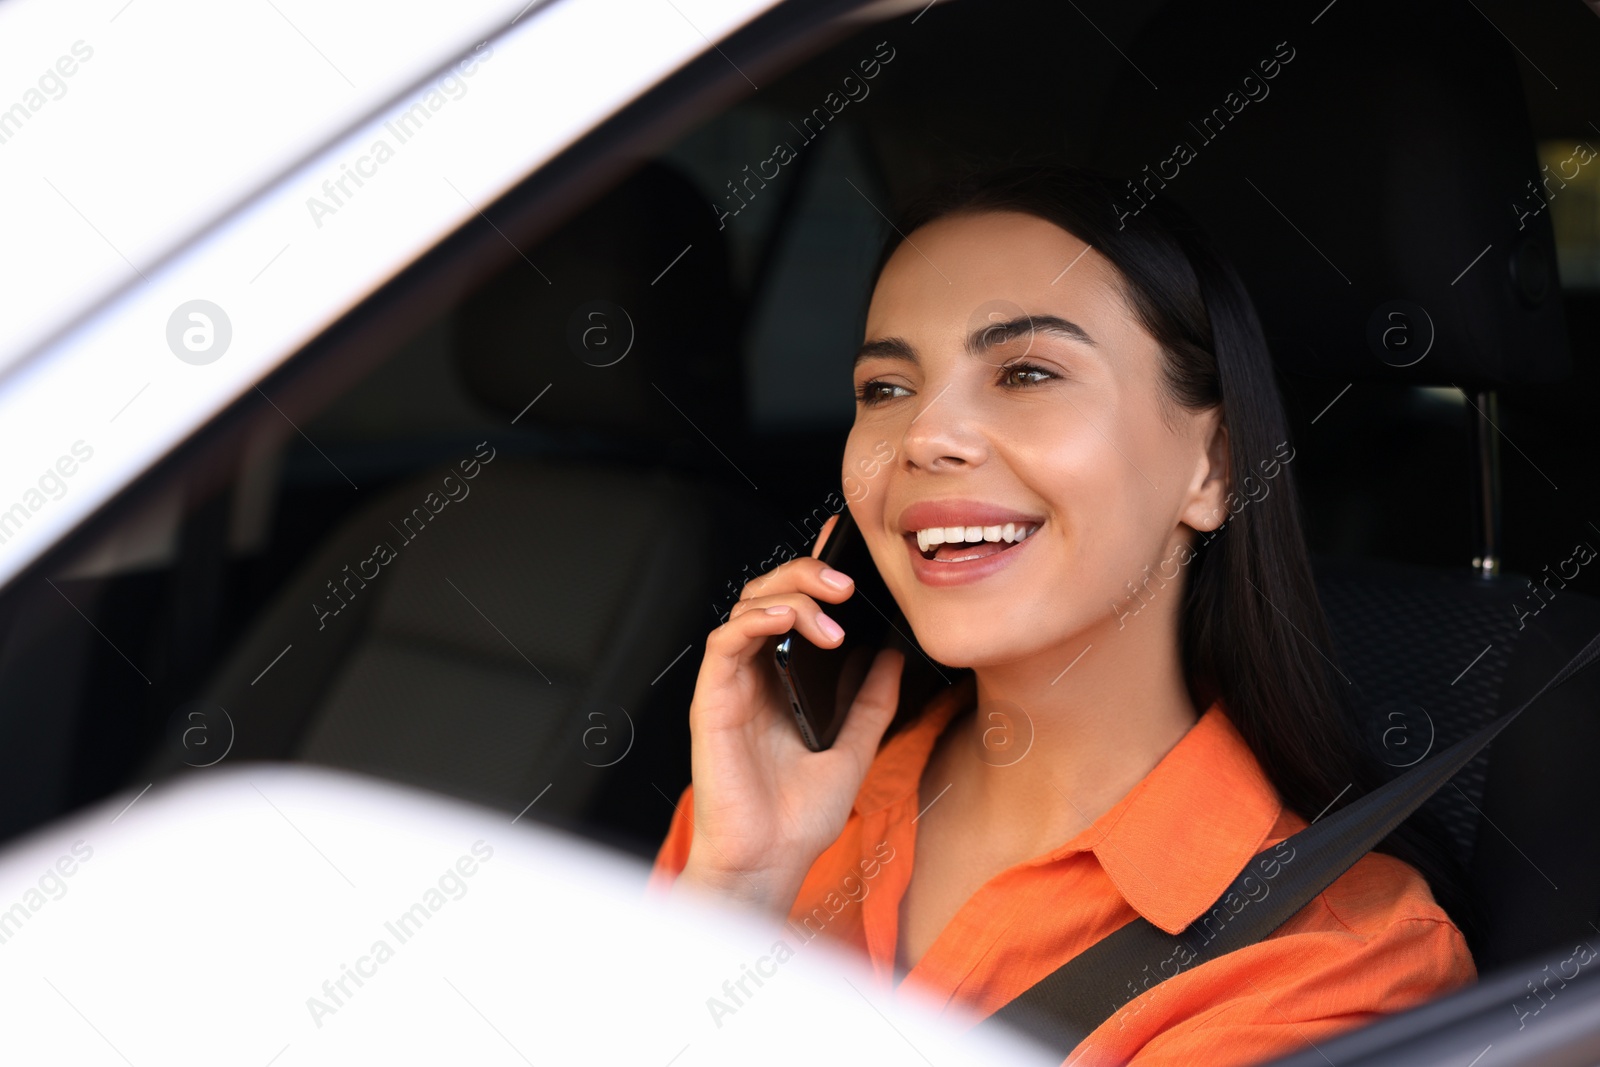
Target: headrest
x=1371 y=173
x=623 y=312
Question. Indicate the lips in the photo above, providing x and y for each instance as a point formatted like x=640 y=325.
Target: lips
x=931 y=513
x=957 y=541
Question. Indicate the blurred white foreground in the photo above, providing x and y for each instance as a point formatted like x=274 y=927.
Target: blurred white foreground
x=286 y=915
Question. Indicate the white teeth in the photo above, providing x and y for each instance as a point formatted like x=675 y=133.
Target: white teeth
x=934 y=536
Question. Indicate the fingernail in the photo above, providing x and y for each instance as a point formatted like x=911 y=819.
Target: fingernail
x=837 y=579
x=829 y=628
x=777 y=609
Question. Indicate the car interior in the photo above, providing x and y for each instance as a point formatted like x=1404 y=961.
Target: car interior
x=473 y=540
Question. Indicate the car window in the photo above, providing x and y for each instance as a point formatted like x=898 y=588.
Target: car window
x=1574 y=204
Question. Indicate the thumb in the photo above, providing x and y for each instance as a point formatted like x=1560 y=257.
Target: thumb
x=873 y=709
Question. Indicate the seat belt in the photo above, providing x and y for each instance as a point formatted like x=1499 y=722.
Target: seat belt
x=1067 y=1005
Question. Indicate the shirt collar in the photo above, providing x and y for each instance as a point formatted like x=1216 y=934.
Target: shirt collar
x=1207 y=804
x=1176 y=841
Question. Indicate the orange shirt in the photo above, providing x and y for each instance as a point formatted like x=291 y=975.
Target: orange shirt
x=1372 y=943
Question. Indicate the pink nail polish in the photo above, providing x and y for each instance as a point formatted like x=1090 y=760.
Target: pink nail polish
x=829 y=628
x=837 y=579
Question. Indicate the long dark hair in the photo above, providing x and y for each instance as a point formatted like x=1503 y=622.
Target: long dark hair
x=1253 y=633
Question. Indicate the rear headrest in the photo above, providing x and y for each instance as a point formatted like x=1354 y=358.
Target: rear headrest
x=1371 y=173
x=625 y=307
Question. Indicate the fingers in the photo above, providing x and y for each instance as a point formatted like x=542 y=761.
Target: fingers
x=802 y=575
x=808 y=618
x=874 y=707
x=741 y=638
x=730 y=665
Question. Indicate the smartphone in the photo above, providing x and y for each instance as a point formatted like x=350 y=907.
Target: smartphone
x=822 y=682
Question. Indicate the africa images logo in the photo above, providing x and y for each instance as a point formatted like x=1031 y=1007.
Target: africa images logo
x=450 y=885
x=410 y=528
x=51 y=485
x=1251 y=89
x=851 y=90
x=336 y=192
x=851 y=891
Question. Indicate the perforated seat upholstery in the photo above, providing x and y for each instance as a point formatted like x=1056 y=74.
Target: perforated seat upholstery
x=1409 y=639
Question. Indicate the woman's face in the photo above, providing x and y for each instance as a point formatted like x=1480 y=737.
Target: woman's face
x=1044 y=441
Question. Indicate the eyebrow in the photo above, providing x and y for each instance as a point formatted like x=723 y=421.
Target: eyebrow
x=981 y=339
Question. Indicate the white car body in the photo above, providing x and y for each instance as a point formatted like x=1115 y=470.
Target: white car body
x=123 y=211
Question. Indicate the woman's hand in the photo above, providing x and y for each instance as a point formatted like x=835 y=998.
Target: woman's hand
x=765 y=806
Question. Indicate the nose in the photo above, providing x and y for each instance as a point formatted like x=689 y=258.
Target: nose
x=943 y=435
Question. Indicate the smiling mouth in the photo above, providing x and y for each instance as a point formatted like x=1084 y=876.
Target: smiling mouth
x=959 y=544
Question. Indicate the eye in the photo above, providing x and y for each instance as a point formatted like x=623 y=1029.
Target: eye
x=1023 y=375
x=876 y=392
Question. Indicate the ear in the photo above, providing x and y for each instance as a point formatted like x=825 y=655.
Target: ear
x=1205 y=506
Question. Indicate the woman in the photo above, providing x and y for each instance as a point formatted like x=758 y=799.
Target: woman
x=1091 y=507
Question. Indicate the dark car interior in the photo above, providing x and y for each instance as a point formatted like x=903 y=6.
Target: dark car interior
x=645 y=367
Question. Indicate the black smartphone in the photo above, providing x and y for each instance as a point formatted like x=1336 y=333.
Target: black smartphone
x=822 y=682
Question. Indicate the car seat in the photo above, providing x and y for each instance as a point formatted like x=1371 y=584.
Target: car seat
x=512 y=649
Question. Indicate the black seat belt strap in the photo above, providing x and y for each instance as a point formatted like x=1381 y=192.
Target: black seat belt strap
x=1068 y=1004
